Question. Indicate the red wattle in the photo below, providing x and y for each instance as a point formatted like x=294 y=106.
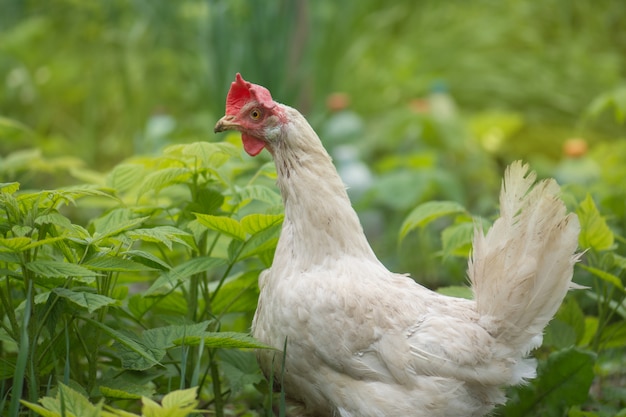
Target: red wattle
x=253 y=146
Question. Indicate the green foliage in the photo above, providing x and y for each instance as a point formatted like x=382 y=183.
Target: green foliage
x=71 y=403
x=145 y=293
x=562 y=381
x=143 y=279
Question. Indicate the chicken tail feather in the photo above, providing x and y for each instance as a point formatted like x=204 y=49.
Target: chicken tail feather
x=521 y=269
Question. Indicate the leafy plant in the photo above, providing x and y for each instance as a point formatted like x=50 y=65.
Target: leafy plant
x=143 y=296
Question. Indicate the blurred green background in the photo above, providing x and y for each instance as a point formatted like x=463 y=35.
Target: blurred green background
x=416 y=100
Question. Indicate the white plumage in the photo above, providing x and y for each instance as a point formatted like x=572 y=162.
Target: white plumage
x=365 y=342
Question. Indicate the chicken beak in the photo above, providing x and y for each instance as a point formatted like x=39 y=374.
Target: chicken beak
x=225 y=123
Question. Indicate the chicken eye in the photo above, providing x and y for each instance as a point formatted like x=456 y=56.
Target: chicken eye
x=255 y=114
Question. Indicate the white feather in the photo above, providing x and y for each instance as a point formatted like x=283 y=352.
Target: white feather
x=362 y=341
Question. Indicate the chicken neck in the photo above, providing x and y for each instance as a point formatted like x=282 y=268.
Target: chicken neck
x=320 y=222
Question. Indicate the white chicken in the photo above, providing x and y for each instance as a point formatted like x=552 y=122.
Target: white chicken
x=365 y=342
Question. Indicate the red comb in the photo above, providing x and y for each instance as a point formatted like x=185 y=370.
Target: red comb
x=242 y=91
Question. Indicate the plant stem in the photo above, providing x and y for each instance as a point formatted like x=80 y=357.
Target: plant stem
x=217 y=386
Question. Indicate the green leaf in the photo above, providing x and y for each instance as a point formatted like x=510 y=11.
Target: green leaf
x=210 y=154
x=594 y=233
x=160 y=234
x=123 y=387
x=125 y=176
x=222 y=224
x=116 y=222
x=258 y=193
x=165 y=177
x=170 y=336
x=173 y=304
x=604 y=276
x=237 y=294
x=614 y=336
x=224 y=340
x=559 y=335
x=155 y=343
x=55 y=218
x=591 y=328
x=183 y=271
x=70 y=194
x=260 y=242
x=133 y=354
x=55 y=269
x=115 y=264
x=240 y=368
x=256 y=223
x=577 y=412
x=457 y=239
x=66 y=403
x=42 y=242
x=178 y=403
x=9 y=187
x=428 y=212
x=563 y=381
x=90 y=301
x=148 y=259
x=14 y=244
x=571 y=314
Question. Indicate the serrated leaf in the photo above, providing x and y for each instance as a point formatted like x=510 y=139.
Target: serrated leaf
x=178 y=403
x=222 y=224
x=146 y=351
x=115 y=222
x=126 y=176
x=165 y=177
x=148 y=259
x=80 y=191
x=256 y=223
x=160 y=234
x=224 y=340
x=264 y=240
x=181 y=398
x=90 y=301
x=67 y=402
x=14 y=244
x=133 y=354
x=115 y=264
x=118 y=393
x=428 y=212
x=173 y=305
x=9 y=187
x=184 y=271
x=237 y=294
x=56 y=269
x=594 y=233
x=259 y=193
x=210 y=154
x=166 y=337
x=239 y=368
x=42 y=242
x=55 y=218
